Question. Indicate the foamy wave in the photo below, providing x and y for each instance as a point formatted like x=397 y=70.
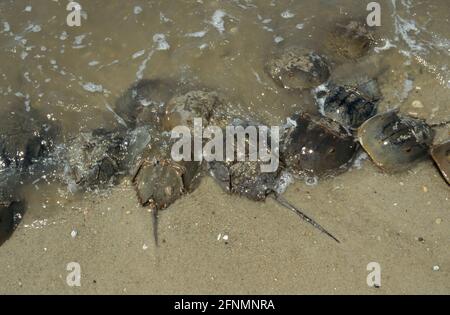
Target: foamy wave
x=420 y=42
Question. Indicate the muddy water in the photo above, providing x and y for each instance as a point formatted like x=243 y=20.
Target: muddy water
x=74 y=75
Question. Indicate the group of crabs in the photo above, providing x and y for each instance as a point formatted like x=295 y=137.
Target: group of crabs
x=312 y=145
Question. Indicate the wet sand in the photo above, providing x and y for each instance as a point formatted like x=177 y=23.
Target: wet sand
x=401 y=221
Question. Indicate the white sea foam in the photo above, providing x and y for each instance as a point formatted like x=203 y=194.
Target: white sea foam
x=285 y=180
x=161 y=42
x=420 y=42
x=218 y=20
x=198 y=34
x=92 y=87
x=287 y=14
x=138 y=54
x=278 y=39
x=387 y=45
x=321 y=100
x=143 y=65
x=359 y=160
x=6 y=27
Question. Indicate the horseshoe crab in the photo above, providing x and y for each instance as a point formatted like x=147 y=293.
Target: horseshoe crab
x=298 y=69
x=10 y=215
x=246 y=179
x=144 y=102
x=441 y=155
x=11 y=209
x=94 y=159
x=350 y=106
x=181 y=110
x=317 y=146
x=25 y=137
x=395 y=142
x=350 y=40
x=159 y=181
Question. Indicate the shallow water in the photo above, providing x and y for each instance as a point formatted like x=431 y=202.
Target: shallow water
x=75 y=74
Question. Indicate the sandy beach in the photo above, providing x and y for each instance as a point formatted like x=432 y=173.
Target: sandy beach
x=211 y=242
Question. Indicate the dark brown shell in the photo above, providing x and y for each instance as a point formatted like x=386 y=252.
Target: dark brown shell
x=317 y=146
x=350 y=40
x=245 y=179
x=94 y=159
x=441 y=155
x=25 y=136
x=159 y=181
x=158 y=184
x=181 y=110
x=350 y=106
x=248 y=180
x=297 y=69
x=144 y=102
x=10 y=215
x=395 y=142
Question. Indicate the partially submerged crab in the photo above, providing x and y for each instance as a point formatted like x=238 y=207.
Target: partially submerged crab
x=144 y=102
x=25 y=137
x=159 y=181
x=350 y=106
x=351 y=40
x=317 y=146
x=298 y=69
x=10 y=214
x=246 y=179
x=94 y=159
x=396 y=142
x=181 y=110
x=11 y=208
x=242 y=175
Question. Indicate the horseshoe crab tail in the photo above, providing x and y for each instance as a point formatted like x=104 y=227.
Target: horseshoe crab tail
x=306 y=218
x=155 y=225
x=440 y=124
